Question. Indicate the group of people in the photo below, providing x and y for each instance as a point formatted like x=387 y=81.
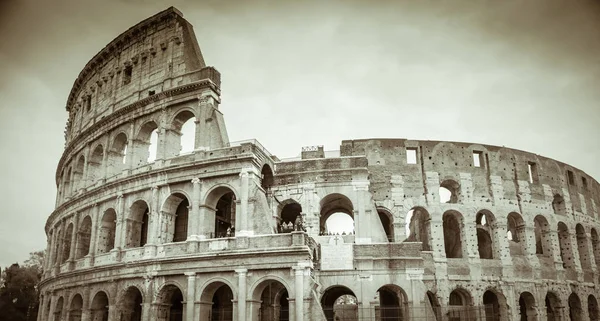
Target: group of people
x=323 y=232
x=297 y=226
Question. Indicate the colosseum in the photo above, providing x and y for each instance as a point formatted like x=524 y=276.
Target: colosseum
x=145 y=229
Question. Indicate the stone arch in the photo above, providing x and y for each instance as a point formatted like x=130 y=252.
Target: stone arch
x=75 y=308
x=176 y=140
x=137 y=224
x=218 y=297
x=58 y=309
x=57 y=245
x=453 y=234
x=543 y=242
x=78 y=174
x=83 y=237
x=67 y=183
x=453 y=188
x=266 y=177
x=593 y=311
x=582 y=247
x=145 y=149
x=332 y=204
x=170 y=298
x=553 y=306
x=177 y=205
x=288 y=211
x=99 y=306
x=222 y=199
x=66 y=248
x=106 y=231
x=527 y=307
x=485 y=223
x=95 y=165
x=419 y=227
x=460 y=304
x=566 y=251
x=393 y=303
x=575 y=310
x=332 y=307
x=434 y=305
x=596 y=247
x=387 y=221
x=273 y=296
x=130 y=304
x=516 y=235
x=117 y=154
x=558 y=205
x=495 y=305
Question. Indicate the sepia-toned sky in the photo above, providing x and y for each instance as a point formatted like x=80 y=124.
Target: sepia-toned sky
x=519 y=73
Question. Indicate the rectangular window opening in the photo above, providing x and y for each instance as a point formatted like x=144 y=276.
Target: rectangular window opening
x=88 y=103
x=584 y=182
x=411 y=155
x=477 y=158
x=533 y=174
x=127 y=75
x=571 y=178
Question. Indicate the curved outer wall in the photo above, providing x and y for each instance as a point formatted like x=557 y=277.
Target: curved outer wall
x=198 y=236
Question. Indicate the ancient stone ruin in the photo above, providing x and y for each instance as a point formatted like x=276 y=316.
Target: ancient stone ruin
x=147 y=229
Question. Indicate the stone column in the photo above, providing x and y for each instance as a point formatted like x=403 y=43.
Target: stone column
x=242 y=214
x=242 y=274
x=85 y=180
x=48 y=258
x=362 y=223
x=130 y=148
x=119 y=235
x=206 y=222
x=74 y=237
x=153 y=222
x=299 y=292
x=104 y=170
x=95 y=226
x=191 y=294
x=194 y=217
x=50 y=316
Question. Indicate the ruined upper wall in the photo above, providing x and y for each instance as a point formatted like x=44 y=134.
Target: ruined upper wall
x=157 y=54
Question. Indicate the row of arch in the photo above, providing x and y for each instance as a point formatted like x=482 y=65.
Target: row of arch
x=76 y=244
x=124 y=152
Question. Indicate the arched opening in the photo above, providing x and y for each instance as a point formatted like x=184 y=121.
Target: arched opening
x=78 y=175
x=339 y=303
x=219 y=297
x=337 y=216
x=137 y=224
x=106 y=233
x=83 y=237
x=527 y=309
x=289 y=214
x=117 y=155
x=449 y=191
x=266 y=177
x=515 y=234
x=575 y=312
x=75 y=309
x=553 y=307
x=593 y=308
x=459 y=306
x=393 y=304
x=543 y=242
x=274 y=304
x=418 y=227
x=95 y=165
x=130 y=306
x=67 y=184
x=100 y=307
x=387 y=221
x=495 y=306
x=485 y=222
x=225 y=215
x=582 y=246
x=558 y=205
x=182 y=136
x=453 y=235
x=596 y=247
x=146 y=144
x=57 y=246
x=58 y=309
x=171 y=300
x=177 y=205
x=434 y=305
x=66 y=249
x=564 y=240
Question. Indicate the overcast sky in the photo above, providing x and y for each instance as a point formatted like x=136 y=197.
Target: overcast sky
x=524 y=74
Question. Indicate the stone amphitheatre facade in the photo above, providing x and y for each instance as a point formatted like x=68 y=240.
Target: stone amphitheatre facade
x=157 y=233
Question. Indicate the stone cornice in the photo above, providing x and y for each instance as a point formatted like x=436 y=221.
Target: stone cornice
x=109 y=50
x=110 y=119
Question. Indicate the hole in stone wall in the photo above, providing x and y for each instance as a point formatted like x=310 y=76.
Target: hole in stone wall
x=449 y=191
x=477 y=158
x=533 y=172
x=571 y=177
x=558 y=205
x=127 y=75
x=411 y=155
x=584 y=182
